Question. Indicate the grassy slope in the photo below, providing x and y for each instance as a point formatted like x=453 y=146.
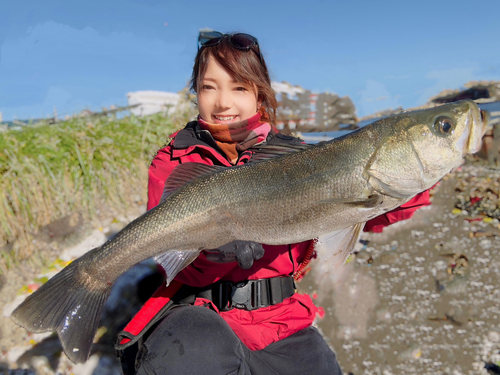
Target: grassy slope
x=50 y=171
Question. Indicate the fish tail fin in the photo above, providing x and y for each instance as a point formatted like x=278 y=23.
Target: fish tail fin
x=64 y=304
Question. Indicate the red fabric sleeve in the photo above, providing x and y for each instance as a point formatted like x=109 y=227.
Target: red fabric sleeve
x=403 y=212
x=161 y=167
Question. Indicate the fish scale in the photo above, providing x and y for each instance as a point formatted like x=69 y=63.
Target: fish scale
x=328 y=190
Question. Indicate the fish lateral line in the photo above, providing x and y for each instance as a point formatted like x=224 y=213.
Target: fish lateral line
x=373 y=200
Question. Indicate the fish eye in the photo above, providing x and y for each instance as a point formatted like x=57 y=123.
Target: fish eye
x=444 y=125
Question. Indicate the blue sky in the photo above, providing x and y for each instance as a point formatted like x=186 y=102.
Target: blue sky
x=383 y=54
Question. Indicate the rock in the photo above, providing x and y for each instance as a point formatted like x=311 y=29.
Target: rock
x=364 y=257
x=474 y=93
x=472 y=90
x=494 y=336
x=387 y=258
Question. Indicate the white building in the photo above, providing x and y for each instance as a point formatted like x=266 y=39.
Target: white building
x=151 y=102
x=284 y=87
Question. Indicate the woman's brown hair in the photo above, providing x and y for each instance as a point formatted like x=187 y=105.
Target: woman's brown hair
x=242 y=66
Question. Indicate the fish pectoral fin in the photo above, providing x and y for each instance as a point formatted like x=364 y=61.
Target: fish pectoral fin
x=184 y=173
x=339 y=244
x=372 y=201
x=175 y=260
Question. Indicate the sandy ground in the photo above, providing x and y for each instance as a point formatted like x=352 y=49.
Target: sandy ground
x=420 y=298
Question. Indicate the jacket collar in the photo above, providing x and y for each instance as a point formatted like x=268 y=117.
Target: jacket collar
x=192 y=137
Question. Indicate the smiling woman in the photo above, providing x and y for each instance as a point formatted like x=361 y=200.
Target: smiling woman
x=229 y=110
x=237 y=67
x=242 y=314
x=222 y=99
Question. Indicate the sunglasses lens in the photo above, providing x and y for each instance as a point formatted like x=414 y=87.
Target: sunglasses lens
x=242 y=41
x=209 y=38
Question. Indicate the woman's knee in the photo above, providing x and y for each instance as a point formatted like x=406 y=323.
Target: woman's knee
x=192 y=338
x=194 y=322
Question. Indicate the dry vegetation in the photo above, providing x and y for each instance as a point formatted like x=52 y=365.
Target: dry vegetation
x=50 y=172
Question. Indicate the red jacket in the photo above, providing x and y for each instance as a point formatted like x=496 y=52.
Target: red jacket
x=261 y=327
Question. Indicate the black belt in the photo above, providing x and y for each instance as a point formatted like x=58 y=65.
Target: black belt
x=226 y=295
x=249 y=294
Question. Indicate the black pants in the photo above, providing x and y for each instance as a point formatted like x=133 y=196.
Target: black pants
x=196 y=340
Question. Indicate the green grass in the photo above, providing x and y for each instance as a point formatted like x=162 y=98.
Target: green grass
x=50 y=171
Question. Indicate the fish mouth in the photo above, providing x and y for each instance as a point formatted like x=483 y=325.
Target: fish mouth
x=485 y=117
x=478 y=120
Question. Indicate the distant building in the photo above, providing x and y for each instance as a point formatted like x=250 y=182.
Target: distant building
x=151 y=102
x=305 y=111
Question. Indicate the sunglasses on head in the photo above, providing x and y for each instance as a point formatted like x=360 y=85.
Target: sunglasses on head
x=241 y=41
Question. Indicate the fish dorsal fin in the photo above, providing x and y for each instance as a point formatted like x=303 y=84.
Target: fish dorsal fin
x=184 y=173
x=175 y=261
x=339 y=244
x=265 y=152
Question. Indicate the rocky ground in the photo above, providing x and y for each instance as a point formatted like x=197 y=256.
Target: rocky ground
x=423 y=296
x=419 y=298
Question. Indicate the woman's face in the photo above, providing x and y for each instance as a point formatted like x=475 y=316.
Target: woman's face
x=222 y=100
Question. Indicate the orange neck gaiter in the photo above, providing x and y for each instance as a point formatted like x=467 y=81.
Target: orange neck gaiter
x=239 y=136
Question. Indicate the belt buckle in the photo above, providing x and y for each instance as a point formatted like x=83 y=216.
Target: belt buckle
x=241 y=295
x=237 y=295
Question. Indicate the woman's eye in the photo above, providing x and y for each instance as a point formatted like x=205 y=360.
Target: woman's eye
x=206 y=87
x=241 y=88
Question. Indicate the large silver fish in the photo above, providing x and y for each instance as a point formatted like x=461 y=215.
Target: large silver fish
x=328 y=190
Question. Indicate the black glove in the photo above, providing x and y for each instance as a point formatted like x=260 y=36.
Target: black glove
x=243 y=252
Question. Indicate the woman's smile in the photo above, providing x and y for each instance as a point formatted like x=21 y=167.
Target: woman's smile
x=224 y=119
